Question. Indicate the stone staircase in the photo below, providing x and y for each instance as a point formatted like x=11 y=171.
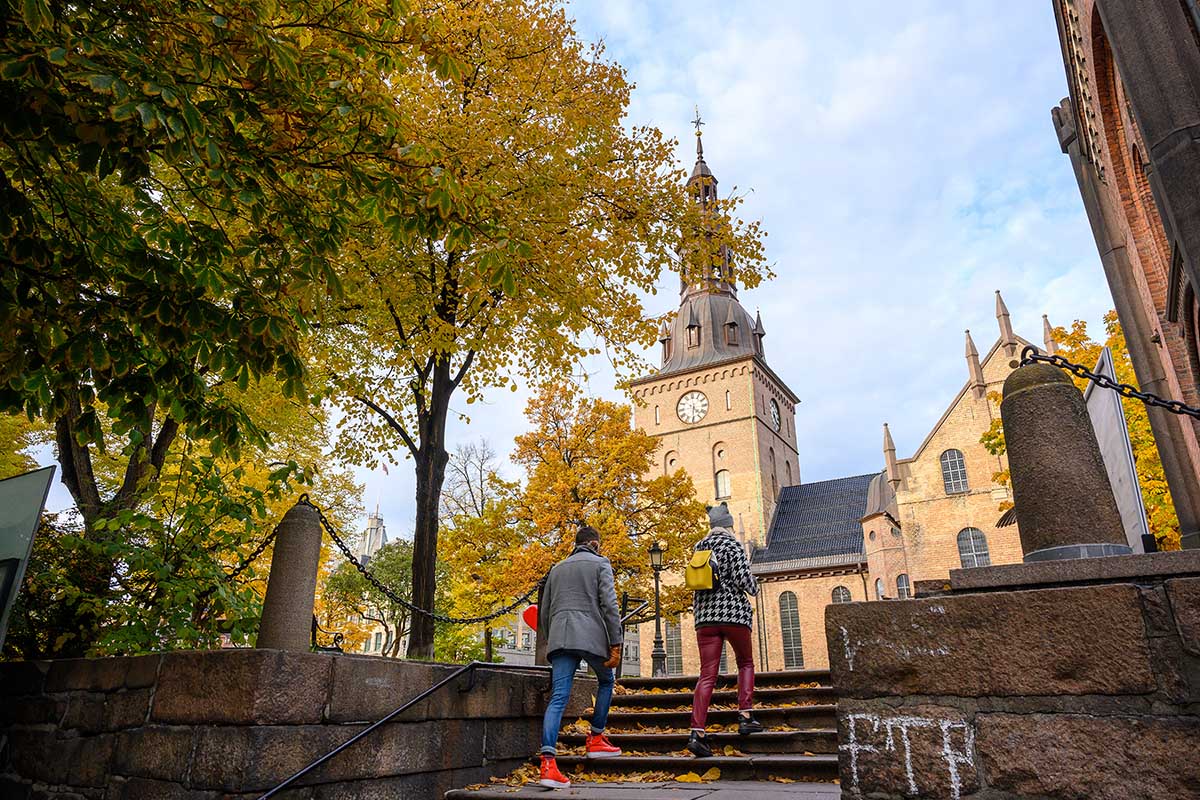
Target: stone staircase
x=649 y=721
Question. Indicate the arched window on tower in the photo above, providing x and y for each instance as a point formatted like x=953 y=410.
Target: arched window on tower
x=789 y=626
x=787 y=473
x=879 y=588
x=731 y=334
x=693 y=334
x=657 y=416
x=973 y=548
x=954 y=472
x=841 y=594
x=728 y=400
x=722 y=482
x=903 y=588
x=670 y=463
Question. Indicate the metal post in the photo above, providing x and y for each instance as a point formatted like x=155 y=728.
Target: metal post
x=658 y=656
x=287 y=616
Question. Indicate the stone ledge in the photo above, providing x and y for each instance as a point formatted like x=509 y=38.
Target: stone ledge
x=993 y=644
x=1065 y=572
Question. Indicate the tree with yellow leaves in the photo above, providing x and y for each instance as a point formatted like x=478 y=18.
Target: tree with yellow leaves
x=1075 y=345
x=583 y=464
x=549 y=220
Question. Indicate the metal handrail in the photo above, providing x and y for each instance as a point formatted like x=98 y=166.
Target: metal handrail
x=465 y=669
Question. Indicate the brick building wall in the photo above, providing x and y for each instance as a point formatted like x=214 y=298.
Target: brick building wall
x=1141 y=199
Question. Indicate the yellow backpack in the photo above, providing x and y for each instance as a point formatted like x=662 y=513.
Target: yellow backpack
x=698 y=575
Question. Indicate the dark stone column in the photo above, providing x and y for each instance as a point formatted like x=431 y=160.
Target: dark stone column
x=1064 y=502
x=1168 y=429
x=292 y=586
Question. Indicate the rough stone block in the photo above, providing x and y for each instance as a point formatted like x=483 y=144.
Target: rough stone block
x=32 y=710
x=258 y=758
x=39 y=755
x=155 y=752
x=512 y=738
x=87 y=674
x=85 y=712
x=1100 y=758
x=91 y=760
x=22 y=677
x=91 y=712
x=922 y=751
x=242 y=686
x=148 y=789
x=1185 y=605
x=142 y=672
x=1086 y=640
x=366 y=689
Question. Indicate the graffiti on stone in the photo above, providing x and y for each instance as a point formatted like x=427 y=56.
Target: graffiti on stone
x=892 y=737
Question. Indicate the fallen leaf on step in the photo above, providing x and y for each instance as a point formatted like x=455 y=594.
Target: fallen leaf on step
x=778 y=779
x=689 y=777
x=713 y=774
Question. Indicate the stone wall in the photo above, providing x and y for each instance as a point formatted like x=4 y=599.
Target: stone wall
x=1062 y=691
x=234 y=723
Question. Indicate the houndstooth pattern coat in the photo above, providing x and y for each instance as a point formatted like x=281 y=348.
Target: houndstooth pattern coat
x=726 y=604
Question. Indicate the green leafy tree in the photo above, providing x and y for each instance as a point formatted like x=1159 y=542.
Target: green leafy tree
x=178 y=180
x=392 y=565
x=550 y=220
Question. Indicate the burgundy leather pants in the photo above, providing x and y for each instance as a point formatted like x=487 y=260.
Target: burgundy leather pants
x=711 y=638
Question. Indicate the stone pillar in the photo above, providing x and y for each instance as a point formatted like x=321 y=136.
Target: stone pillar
x=1064 y=502
x=292 y=585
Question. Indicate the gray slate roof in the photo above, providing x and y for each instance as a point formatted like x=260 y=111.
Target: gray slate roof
x=712 y=311
x=818 y=521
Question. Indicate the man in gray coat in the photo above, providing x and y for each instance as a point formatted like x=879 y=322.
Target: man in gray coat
x=579 y=605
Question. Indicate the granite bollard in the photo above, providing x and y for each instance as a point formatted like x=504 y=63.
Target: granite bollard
x=1064 y=502
x=292 y=585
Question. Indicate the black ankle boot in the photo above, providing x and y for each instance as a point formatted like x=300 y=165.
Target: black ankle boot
x=698 y=745
x=749 y=725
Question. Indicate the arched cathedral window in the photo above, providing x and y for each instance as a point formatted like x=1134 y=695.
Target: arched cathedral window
x=722 y=481
x=789 y=626
x=954 y=472
x=841 y=594
x=973 y=548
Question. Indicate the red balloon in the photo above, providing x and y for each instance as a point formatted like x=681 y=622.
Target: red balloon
x=530 y=616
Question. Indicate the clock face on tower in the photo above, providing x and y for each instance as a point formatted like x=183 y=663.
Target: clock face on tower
x=692 y=407
x=775 y=418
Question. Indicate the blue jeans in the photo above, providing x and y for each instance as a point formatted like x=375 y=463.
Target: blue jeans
x=563 y=664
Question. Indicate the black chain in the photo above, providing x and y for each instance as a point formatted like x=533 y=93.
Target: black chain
x=395 y=598
x=1031 y=354
x=246 y=562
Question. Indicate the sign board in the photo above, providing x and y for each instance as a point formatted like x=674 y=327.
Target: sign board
x=22 y=499
x=1112 y=432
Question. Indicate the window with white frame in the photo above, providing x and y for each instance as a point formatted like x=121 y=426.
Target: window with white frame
x=841 y=594
x=879 y=588
x=674 y=649
x=954 y=472
x=903 y=589
x=722 y=481
x=973 y=548
x=789 y=627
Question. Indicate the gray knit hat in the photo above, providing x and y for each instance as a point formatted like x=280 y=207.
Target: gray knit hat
x=719 y=517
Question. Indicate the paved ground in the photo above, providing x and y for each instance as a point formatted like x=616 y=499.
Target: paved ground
x=670 y=790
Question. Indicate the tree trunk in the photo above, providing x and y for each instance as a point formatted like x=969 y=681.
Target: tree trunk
x=431 y=460
x=487 y=643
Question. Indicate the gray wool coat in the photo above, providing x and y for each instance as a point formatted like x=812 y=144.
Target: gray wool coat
x=579 y=603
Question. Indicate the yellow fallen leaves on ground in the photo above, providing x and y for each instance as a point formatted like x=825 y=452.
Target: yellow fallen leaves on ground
x=712 y=774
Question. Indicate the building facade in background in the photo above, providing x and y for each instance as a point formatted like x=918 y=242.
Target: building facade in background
x=1131 y=127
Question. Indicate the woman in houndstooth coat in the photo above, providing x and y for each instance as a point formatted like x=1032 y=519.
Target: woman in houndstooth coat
x=723 y=614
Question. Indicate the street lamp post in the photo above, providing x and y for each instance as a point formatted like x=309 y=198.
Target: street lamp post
x=658 y=656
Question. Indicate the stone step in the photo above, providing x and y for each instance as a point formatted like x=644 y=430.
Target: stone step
x=736 y=768
x=815 y=741
x=822 y=715
x=621 y=790
x=768 y=695
x=789 y=677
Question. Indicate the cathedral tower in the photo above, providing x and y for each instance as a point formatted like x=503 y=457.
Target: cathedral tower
x=719 y=410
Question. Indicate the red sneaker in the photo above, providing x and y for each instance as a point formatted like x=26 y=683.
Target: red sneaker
x=598 y=746
x=551 y=776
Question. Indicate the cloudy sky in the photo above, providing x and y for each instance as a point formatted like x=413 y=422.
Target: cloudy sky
x=902 y=159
